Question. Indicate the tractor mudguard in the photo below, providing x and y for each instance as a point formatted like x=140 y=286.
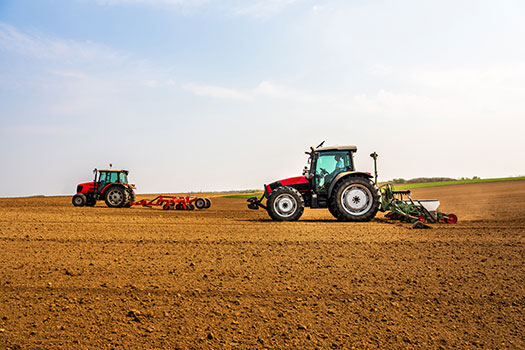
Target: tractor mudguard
x=109 y=185
x=345 y=174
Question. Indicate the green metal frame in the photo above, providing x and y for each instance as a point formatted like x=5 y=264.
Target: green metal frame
x=408 y=210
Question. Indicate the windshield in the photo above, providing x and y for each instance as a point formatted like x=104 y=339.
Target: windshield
x=123 y=177
x=333 y=161
x=113 y=176
x=328 y=165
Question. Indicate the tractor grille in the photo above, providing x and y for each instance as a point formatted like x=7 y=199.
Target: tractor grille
x=79 y=189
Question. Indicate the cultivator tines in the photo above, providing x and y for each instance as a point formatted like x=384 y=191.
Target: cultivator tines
x=410 y=210
x=177 y=203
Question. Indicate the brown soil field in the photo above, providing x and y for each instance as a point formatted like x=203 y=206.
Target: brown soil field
x=228 y=277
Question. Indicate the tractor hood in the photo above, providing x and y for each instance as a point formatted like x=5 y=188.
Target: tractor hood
x=85 y=187
x=300 y=183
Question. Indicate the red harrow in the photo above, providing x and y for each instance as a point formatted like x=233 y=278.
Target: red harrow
x=174 y=202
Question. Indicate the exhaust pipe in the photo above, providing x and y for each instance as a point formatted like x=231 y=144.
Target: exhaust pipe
x=374 y=155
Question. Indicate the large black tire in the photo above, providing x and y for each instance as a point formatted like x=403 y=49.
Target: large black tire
x=200 y=203
x=91 y=202
x=131 y=198
x=79 y=200
x=355 y=199
x=116 y=197
x=285 y=204
x=208 y=203
x=331 y=209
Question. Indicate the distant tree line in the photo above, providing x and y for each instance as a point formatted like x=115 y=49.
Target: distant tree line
x=418 y=180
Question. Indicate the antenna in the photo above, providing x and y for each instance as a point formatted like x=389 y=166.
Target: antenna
x=320 y=145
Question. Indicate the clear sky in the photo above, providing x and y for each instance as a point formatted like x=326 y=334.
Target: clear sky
x=194 y=95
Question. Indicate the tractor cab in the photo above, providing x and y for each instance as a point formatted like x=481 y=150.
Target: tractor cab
x=103 y=177
x=326 y=163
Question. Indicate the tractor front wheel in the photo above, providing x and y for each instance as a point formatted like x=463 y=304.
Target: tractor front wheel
x=91 y=202
x=79 y=200
x=355 y=199
x=116 y=197
x=285 y=204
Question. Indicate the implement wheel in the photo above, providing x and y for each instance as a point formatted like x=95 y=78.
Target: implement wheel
x=208 y=203
x=355 y=199
x=451 y=219
x=285 y=204
x=200 y=203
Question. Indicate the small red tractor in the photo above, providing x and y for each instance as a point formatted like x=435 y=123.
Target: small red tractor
x=109 y=184
x=331 y=182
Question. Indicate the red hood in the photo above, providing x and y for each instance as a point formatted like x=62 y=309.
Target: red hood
x=291 y=181
x=294 y=181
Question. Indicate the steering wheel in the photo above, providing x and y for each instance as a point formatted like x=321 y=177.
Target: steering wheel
x=323 y=171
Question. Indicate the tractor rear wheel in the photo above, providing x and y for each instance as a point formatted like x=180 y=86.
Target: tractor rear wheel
x=355 y=199
x=131 y=198
x=208 y=203
x=79 y=200
x=285 y=204
x=200 y=203
x=331 y=209
x=116 y=197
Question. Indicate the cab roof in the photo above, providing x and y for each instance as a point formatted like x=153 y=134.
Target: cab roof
x=337 y=148
x=114 y=170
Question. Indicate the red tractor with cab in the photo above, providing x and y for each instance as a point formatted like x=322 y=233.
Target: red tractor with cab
x=330 y=182
x=109 y=184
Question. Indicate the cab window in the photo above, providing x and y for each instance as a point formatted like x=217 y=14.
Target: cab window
x=328 y=165
x=113 y=177
x=123 y=178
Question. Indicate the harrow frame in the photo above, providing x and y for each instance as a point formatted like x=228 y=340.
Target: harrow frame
x=175 y=202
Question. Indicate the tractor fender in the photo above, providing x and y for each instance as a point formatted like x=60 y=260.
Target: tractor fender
x=346 y=174
x=111 y=185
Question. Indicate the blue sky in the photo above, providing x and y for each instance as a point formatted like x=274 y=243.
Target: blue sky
x=197 y=95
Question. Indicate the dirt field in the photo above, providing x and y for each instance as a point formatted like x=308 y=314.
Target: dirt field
x=227 y=277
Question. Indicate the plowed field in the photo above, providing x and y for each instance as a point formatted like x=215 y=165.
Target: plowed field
x=228 y=277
